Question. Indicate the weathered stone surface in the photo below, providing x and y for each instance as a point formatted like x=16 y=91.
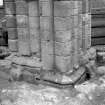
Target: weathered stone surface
x=23 y=48
x=62 y=8
x=15 y=73
x=47 y=54
x=92 y=53
x=21 y=7
x=45 y=8
x=26 y=61
x=47 y=60
x=44 y=23
x=100 y=70
x=47 y=47
x=75 y=21
x=13 y=45
x=27 y=76
x=11 y=21
x=34 y=33
x=44 y=96
x=34 y=42
x=62 y=23
x=63 y=64
x=23 y=34
x=23 y=41
x=63 y=49
x=8 y=0
x=44 y=0
x=12 y=33
x=46 y=36
x=22 y=21
x=6 y=64
x=34 y=22
x=33 y=8
x=86 y=87
x=63 y=36
x=10 y=8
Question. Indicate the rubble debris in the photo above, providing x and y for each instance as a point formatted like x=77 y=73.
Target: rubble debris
x=22 y=67
x=101 y=70
x=15 y=73
x=25 y=61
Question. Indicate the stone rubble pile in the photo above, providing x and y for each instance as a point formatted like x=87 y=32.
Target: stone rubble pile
x=29 y=69
x=21 y=93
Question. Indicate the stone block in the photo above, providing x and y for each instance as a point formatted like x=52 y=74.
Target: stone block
x=100 y=70
x=27 y=76
x=76 y=4
x=23 y=41
x=62 y=8
x=75 y=20
x=2 y=13
x=46 y=36
x=75 y=32
x=22 y=21
x=62 y=23
x=34 y=40
x=34 y=33
x=45 y=23
x=63 y=36
x=47 y=61
x=63 y=64
x=23 y=34
x=80 y=17
x=45 y=8
x=12 y=33
x=33 y=8
x=34 y=22
x=63 y=49
x=24 y=48
x=26 y=62
x=21 y=7
x=47 y=47
x=13 y=45
x=11 y=21
x=75 y=11
x=10 y=8
x=80 y=7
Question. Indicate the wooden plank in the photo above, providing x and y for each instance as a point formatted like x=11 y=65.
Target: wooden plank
x=98 y=22
x=98 y=11
x=98 y=32
x=95 y=16
x=98 y=41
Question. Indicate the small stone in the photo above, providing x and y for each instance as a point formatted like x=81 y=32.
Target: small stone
x=86 y=87
x=16 y=72
x=66 y=79
x=92 y=53
x=27 y=76
x=101 y=70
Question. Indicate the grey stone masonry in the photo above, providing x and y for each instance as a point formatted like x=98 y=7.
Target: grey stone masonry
x=51 y=30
